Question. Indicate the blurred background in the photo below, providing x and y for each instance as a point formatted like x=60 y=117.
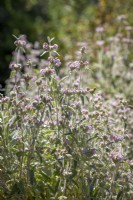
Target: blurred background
x=69 y=21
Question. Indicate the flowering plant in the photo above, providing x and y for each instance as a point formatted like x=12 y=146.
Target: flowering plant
x=59 y=139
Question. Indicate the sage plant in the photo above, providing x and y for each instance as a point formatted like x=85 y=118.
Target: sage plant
x=59 y=138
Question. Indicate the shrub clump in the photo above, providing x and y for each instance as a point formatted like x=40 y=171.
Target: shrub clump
x=59 y=139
